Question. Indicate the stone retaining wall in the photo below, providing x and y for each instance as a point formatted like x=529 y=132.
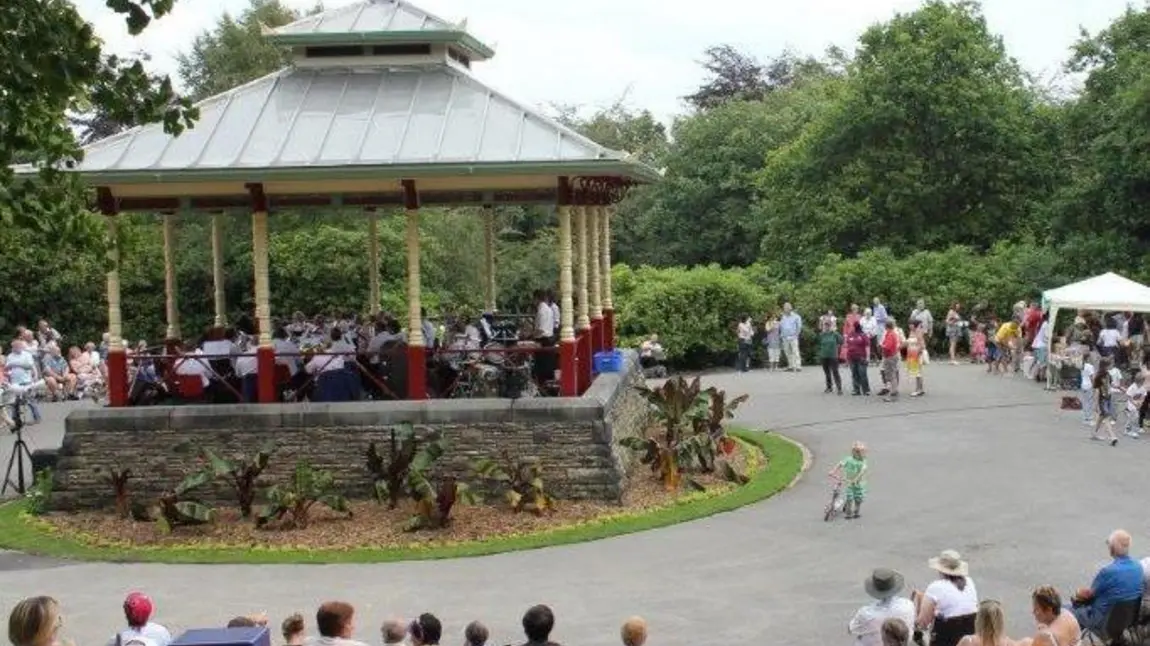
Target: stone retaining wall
x=576 y=438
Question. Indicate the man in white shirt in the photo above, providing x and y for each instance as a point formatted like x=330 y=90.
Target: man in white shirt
x=884 y=585
x=138 y=610
x=746 y=334
x=545 y=322
x=189 y=365
x=428 y=329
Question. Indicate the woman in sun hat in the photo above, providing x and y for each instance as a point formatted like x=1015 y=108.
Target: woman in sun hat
x=884 y=585
x=949 y=604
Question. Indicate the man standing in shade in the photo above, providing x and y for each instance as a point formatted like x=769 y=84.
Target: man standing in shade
x=790 y=327
x=880 y=319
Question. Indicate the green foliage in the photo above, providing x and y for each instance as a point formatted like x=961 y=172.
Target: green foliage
x=39 y=496
x=240 y=473
x=181 y=506
x=56 y=66
x=692 y=310
x=294 y=500
x=433 y=503
x=521 y=480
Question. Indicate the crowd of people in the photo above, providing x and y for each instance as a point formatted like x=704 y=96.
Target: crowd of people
x=950 y=611
x=37 y=367
x=39 y=621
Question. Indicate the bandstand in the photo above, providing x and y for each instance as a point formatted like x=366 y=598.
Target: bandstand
x=378 y=110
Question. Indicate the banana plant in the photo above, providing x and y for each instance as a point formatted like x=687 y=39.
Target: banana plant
x=522 y=482
x=389 y=476
x=241 y=473
x=295 y=499
x=677 y=404
x=433 y=504
x=179 y=506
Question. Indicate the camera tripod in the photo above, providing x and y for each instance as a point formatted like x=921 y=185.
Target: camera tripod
x=19 y=452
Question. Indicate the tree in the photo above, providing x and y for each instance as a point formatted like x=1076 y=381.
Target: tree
x=619 y=127
x=235 y=50
x=55 y=67
x=735 y=76
x=933 y=144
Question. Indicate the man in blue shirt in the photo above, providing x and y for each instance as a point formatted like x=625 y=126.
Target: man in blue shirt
x=790 y=327
x=1120 y=580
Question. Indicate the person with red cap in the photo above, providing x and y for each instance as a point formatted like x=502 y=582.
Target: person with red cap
x=138 y=609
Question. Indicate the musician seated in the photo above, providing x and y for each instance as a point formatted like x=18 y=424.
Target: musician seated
x=334 y=383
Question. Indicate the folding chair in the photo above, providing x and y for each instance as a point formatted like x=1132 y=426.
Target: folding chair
x=1122 y=618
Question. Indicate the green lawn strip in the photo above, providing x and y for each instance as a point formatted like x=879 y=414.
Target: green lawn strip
x=22 y=533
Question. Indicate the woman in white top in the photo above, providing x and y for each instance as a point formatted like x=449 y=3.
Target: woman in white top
x=948 y=605
x=989 y=627
x=1109 y=338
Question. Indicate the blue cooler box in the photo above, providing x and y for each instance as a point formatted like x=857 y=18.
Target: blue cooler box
x=258 y=636
x=609 y=361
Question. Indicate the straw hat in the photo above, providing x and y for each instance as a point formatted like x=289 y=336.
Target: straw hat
x=950 y=563
x=883 y=583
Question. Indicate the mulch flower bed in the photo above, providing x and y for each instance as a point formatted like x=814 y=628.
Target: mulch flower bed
x=374 y=525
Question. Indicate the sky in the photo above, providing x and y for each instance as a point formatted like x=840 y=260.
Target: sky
x=591 y=53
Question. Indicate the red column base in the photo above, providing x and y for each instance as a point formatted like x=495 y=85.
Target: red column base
x=583 y=359
x=266 y=374
x=117 y=377
x=568 y=386
x=416 y=372
x=609 y=329
x=596 y=335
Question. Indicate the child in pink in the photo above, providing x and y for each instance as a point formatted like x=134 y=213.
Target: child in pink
x=978 y=344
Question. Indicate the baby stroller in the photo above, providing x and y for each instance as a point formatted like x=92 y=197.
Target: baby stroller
x=652 y=363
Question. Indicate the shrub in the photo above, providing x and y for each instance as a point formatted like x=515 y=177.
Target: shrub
x=180 y=506
x=295 y=498
x=521 y=479
x=241 y=473
x=692 y=310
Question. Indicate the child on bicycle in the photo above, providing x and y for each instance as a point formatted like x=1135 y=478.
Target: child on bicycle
x=852 y=470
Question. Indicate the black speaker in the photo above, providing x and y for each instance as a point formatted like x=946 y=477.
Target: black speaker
x=44 y=459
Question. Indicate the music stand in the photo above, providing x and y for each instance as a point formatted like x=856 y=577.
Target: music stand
x=19 y=452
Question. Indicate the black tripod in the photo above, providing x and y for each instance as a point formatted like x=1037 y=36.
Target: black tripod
x=19 y=452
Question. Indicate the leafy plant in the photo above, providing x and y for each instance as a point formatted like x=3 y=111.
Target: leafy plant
x=433 y=505
x=669 y=450
x=295 y=499
x=118 y=479
x=179 y=506
x=241 y=473
x=40 y=495
x=522 y=480
x=389 y=477
x=716 y=411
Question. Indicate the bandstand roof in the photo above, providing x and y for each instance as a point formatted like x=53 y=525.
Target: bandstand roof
x=366 y=104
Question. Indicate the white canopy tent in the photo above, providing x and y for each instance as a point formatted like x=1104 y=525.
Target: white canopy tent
x=1108 y=293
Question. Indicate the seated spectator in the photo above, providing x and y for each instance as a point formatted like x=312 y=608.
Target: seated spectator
x=60 y=380
x=394 y=631
x=650 y=352
x=883 y=585
x=292 y=629
x=634 y=632
x=538 y=622
x=895 y=632
x=189 y=365
x=335 y=622
x=35 y=621
x=46 y=334
x=989 y=627
x=23 y=376
x=138 y=611
x=1055 y=626
x=948 y=605
x=1120 y=580
x=426 y=630
x=475 y=634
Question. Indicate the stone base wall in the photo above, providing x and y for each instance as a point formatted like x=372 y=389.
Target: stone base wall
x=577 y=440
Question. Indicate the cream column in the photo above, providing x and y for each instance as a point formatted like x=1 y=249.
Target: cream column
x=373 y=262
x=260 y=267
x=583 y=320
x=115 y=318
x=605 y=257
x=489 y=259
x=568 y=385
x=596 y=215
x=414 y=304
x=171 y=298
x=218 y=269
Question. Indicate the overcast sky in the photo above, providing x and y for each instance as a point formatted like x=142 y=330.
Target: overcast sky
x=591 y=52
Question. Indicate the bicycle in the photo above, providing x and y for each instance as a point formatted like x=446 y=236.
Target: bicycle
x=835 y=505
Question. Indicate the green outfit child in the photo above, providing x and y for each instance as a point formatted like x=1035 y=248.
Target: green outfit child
x=853 y=470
